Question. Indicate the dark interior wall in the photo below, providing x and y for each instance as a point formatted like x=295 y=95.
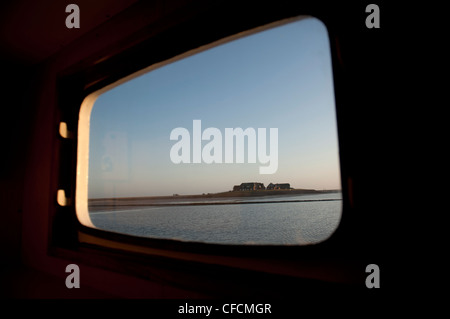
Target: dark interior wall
x=15 y=130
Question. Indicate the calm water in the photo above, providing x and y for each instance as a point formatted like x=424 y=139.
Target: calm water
x=258 y=223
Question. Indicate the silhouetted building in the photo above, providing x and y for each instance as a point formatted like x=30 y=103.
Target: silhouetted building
x=251 y=186
x=279 y=186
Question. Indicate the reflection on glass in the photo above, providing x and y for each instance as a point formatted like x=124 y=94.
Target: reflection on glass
x=236 y=144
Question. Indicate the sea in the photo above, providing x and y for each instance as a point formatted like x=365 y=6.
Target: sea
x=273 y=220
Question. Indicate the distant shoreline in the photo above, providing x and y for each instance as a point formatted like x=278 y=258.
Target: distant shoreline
x=251 y=193
x=203 y=199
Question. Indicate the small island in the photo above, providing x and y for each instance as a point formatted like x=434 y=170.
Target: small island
x=238 y=194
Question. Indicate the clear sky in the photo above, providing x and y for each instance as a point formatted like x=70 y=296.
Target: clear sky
x=278 y=78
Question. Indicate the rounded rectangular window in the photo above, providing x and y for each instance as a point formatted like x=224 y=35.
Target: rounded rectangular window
x=234 y=143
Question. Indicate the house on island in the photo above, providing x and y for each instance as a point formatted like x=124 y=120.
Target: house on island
x=272 y=186
x=248 y=187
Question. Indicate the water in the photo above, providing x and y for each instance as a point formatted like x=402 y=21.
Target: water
x=264 y=222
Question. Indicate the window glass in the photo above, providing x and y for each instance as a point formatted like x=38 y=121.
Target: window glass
x=236 y=144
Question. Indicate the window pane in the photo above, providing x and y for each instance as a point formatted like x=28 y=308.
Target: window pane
x=235 y=144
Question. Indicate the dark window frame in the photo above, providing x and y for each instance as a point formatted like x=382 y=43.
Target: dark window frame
x=161 y=258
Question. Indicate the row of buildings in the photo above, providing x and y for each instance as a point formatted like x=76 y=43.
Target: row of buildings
x=260 y=186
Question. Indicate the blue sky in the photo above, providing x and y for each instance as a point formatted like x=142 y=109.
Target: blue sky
x=278 y=78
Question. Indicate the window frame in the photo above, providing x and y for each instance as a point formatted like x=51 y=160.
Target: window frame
x=138 y=256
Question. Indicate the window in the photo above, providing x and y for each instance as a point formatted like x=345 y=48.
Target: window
x=235 y=143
